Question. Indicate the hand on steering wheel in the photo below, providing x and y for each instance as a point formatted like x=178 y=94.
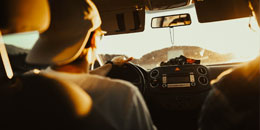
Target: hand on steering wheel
x=120 y=60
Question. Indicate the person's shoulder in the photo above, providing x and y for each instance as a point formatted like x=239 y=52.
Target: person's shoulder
x=246 y=73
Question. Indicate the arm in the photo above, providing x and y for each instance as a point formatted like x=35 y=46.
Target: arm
x=103 y=70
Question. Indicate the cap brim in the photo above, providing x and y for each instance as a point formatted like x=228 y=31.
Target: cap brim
x=57 y=50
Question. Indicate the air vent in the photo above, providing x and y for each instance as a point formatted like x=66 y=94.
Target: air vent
x=203 y=80
x=202 y=70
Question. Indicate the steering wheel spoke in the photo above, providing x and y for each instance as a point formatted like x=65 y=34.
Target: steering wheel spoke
x=129 y=72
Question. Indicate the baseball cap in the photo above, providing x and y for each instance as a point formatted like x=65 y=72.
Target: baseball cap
x=72 y=22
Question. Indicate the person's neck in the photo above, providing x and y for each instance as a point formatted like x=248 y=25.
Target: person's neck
x=72 y=68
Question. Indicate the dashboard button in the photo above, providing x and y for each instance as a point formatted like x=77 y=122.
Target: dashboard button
x=154 y=73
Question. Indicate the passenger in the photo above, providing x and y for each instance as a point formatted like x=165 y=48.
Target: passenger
x=68 y=48
x=233 y=102
x=35 y=101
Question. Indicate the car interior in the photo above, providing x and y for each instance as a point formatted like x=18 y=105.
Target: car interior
x=173 y=73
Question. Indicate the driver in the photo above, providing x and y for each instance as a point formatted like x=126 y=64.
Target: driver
x=68 y=47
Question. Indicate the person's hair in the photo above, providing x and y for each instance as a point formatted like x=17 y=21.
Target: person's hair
x=255 y=4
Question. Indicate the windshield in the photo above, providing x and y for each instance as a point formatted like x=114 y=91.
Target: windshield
x=212 y=43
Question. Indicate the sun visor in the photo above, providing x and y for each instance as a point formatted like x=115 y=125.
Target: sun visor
x=24 y=15
x=218 y=10
x=166 y=4
x=121 y=16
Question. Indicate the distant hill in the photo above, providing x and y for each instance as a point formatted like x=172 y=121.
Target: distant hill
x=17 y=57
x=13 y=50
x=107 y=57
x=188 y=51
x=154 y=58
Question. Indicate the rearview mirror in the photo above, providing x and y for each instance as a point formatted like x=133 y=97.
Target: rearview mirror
x=171 y=21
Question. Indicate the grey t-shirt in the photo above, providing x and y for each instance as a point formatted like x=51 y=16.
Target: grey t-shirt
x=118 y=102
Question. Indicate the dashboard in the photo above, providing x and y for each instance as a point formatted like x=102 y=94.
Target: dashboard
x=175 y=94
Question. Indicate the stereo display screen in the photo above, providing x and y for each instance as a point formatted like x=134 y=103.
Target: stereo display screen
x=179 y=79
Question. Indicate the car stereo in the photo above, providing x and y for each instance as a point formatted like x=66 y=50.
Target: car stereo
x=179 y=76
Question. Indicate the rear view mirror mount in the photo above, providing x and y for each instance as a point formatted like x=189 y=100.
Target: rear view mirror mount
x=166 y=4
x=171 y=21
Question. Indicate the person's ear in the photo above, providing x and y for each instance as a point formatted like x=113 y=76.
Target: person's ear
x=91 y=55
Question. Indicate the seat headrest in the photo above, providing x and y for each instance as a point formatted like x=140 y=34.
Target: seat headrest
x=24 y=15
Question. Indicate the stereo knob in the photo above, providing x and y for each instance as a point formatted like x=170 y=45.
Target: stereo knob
x=203 y=80
x=154 y=83
x=154 y=73
x=202 y=70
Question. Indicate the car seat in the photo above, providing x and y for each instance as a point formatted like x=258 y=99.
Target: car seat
x=36 y=101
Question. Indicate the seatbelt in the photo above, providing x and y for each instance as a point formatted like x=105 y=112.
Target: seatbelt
x=5 y=59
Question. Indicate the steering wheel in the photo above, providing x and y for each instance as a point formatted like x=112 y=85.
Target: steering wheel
x=128 y=72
